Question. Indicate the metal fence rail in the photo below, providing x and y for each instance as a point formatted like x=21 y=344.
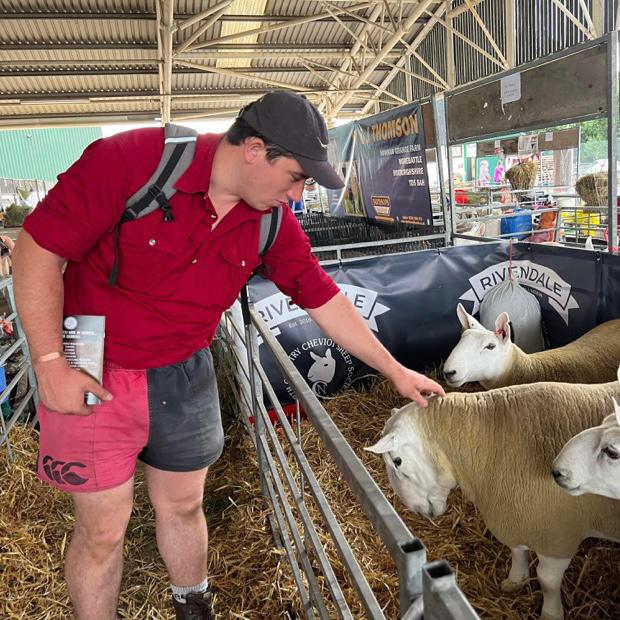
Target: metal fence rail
x=21 y=367
x=290 y=485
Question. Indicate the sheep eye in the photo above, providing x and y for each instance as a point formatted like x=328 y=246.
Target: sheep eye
x=398 y=461
x=490 y=346
x=611 y=452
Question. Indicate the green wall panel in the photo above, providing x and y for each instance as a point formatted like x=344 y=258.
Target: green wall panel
x=42 y=153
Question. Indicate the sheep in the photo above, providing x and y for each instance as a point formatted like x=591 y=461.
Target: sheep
x=493 y=360
x=590 y=461
x=498 y=446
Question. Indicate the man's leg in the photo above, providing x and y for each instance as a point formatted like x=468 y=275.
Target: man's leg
x=94 y=560
x=180 y=523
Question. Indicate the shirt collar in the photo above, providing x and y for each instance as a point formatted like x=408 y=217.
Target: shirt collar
x=198 y=176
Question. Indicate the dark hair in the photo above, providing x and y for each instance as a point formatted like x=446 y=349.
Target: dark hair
x=241 y=131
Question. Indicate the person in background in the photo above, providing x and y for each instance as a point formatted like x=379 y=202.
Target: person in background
x=176 y=277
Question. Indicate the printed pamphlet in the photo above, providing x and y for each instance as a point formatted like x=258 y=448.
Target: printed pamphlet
x=82 y=345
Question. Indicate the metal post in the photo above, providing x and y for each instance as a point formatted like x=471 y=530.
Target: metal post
x=409 y=566
x=451 y=224
x=612 y=140
x=442 y=139
x=442 y=598
x=511 y=34
x=259 y=429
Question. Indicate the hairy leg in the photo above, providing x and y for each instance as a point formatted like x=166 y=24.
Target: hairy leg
x=550 y=572
x=94 y=560
x=180 y=523
x=519 y=570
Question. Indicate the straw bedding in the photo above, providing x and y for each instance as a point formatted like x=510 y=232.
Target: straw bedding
x=251 y=577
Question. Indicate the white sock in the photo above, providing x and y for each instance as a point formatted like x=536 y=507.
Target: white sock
x=179 y=592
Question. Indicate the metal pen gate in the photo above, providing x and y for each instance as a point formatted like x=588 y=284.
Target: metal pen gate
x=426 y=590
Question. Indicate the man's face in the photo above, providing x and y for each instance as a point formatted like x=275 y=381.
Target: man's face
x=271 y=182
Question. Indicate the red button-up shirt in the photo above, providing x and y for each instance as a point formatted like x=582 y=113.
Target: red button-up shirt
x=175 y=278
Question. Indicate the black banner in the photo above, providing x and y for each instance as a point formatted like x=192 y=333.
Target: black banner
x=383 y=161
x=409 y=302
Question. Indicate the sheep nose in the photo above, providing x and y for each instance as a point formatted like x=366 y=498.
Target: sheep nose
x=557 y=474
x=449 y=374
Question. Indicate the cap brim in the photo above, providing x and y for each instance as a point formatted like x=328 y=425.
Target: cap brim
x=321 y=171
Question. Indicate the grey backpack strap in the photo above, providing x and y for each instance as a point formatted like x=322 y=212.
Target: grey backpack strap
x=179 y=149
x=269 y=227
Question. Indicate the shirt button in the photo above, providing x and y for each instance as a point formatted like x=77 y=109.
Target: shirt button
x=194 y=261
x=152 y=242
x=243 y=263
x=213 y=216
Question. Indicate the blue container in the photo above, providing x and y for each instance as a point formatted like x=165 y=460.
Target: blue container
x=518 y=226
x=2 y=381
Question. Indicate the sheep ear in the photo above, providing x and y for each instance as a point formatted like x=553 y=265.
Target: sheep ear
x=502 y=327
x=617 y=411
x=328 y=353
x=467 y=320
x=385 y=444
x=314 y=356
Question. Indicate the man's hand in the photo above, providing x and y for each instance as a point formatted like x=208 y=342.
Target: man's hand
x=62 y=388
x=412 y=385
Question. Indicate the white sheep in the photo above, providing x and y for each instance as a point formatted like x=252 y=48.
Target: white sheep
x=493 y=360
x=590 y=461
x=498 y=446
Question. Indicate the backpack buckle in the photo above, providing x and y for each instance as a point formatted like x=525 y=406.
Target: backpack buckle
x=158 y=195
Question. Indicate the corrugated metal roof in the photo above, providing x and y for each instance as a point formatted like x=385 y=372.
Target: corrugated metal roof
x=42 y=154
x=75 y=61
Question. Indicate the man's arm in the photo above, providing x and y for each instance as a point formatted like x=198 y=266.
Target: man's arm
x=39 y=295
x=339 y=319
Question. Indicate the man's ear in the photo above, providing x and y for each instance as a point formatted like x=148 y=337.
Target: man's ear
x=253 y=149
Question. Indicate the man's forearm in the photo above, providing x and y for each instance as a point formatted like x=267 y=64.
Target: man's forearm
x=39 y=295
x=339 y=319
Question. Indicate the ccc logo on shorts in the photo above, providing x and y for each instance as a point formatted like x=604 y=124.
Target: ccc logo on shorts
x=60 y=472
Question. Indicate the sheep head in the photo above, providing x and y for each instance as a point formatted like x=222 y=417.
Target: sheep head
x=590 y=461
x=481 y=354
x=412 y=469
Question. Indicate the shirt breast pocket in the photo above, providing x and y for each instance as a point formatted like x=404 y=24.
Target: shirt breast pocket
x=150 y=258
x=238 y=267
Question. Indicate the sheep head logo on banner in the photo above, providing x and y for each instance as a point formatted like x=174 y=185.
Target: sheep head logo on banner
x=325 y=365
x=321 y=372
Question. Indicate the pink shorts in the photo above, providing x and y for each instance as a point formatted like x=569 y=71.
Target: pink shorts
x=167 y=417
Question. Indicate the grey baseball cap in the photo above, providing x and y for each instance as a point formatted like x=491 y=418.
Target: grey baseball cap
x=294 y=124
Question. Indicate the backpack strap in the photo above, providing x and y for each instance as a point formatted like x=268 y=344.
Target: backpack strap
x=269 y=227
x=178 y=153
x=179 y=149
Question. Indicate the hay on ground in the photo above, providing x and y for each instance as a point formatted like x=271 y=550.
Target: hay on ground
x=250 y=575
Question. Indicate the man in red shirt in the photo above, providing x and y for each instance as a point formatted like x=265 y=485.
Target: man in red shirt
x=175 y=278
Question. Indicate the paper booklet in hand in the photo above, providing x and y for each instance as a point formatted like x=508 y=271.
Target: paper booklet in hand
x=82 y=346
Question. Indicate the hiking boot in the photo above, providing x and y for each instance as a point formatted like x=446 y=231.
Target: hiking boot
x=196 y=607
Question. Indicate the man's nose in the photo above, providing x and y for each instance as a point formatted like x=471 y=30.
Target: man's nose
x=296 y=191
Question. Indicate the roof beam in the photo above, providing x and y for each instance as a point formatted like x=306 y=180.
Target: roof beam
x=179 y=17
x=95 y=69
x=31 y=46
x=348 y=60
x=487 y=34
x=412 y=46
x=573 y=19
x=240 y=75
x=223 y=7
x=273 y=27
x=403 y=29
x=164 y=45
